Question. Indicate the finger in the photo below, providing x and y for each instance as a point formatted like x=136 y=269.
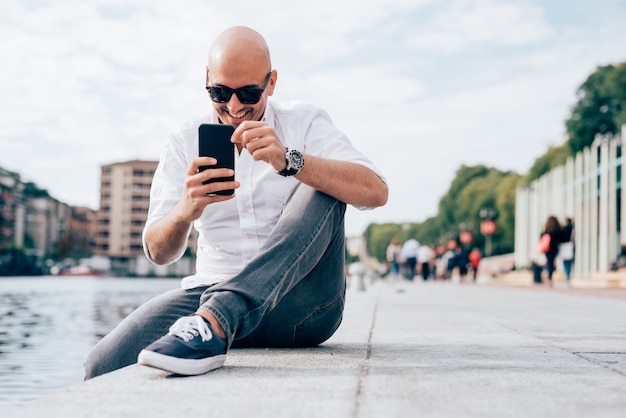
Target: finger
x=237 y=136
x=249 y=131
x=254 y=144
x=214 y=198
x=248 y=137
x=198 y=162
x=218 y=187
x=215 y=173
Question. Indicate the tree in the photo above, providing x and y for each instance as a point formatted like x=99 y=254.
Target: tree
x=32 y=191
x=505 y=205
x=554 y=157
x=473 y=189
x=378 y=237
x=600 y=109
x=448 y=203
x=616 y=83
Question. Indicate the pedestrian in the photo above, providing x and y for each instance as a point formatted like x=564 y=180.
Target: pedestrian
x=394 y=258
x=270 y=258
x=448 y=261
x=424 y=258
x=567 y=248
x=410 y=250
x=552 y=228
x=474 y=262
x=462 y=262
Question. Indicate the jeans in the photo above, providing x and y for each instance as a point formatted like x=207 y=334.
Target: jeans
x=550 y=264
x=567 y=266
x=411 y=264
x=291 y=294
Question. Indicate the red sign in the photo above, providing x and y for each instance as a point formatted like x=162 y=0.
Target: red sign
x=466 y=237
x=487 y=227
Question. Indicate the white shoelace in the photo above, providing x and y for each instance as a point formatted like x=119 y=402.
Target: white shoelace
x=188 y=327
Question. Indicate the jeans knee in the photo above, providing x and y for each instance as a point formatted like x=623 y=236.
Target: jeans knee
x=320 y=325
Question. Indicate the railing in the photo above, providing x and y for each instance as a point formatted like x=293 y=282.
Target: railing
x=588 y=189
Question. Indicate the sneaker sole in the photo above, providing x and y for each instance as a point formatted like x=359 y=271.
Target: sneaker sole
x=182 y=366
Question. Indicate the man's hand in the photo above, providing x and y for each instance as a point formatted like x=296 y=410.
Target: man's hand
x=166 y=238
x=196 y=194
x=261 y=142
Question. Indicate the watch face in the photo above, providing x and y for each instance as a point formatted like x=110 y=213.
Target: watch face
x=295 y=159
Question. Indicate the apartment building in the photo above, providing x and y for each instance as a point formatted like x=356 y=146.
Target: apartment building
x=12 y=210
x=124 y=202
x=47 y=220
x=80 y=240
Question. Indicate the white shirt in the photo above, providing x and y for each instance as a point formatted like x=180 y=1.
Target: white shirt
x=230 y=233
x=424 y=254
x=410 y=248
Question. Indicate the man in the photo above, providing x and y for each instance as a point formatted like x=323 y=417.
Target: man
x=270 y=258
x=410 y=250
x=424 y=258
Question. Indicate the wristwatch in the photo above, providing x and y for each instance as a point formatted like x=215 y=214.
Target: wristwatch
x=294 y=163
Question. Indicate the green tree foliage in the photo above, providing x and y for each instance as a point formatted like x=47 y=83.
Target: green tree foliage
x=473 y=189
x=378 y=237
x=487 y=188
x=32 y=191
x=601 y=107
x=617 y=86
x=555 y=157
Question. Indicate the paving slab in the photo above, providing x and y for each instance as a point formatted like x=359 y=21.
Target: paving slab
x=404 y=350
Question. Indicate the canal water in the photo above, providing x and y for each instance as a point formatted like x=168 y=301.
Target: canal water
x=49 y=324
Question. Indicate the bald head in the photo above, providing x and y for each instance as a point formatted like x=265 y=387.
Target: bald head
x=239 y=50
x=240 y=59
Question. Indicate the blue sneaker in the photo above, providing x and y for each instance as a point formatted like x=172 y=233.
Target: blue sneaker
x=189 y=348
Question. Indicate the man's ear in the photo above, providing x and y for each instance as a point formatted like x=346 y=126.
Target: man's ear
x=272 y=83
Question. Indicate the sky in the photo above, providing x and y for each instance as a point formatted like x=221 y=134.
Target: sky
x=421 y=87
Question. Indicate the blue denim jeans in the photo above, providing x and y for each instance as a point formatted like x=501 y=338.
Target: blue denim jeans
x=291 y=294
x=567 y=267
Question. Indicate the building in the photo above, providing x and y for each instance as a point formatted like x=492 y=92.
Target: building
x=124 y=202
x=12 y=210
x=79 y=240
x=47 y=220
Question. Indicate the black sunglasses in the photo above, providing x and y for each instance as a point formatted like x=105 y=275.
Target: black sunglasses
x=246 y=95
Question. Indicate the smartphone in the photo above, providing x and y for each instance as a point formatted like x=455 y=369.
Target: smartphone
x=214 y=141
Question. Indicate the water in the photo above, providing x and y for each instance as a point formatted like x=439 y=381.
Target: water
x=49 y=324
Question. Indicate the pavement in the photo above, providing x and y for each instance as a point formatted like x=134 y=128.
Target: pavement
x=408 y=349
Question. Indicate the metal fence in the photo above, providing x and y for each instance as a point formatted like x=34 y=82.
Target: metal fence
x=588 y=189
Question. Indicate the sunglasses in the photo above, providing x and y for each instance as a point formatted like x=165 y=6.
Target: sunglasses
x=246 y=95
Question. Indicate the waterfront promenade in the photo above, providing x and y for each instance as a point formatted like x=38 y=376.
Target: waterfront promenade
x=407 y=350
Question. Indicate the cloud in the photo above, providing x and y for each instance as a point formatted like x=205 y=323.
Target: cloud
x=469 y=25
x=420 y=86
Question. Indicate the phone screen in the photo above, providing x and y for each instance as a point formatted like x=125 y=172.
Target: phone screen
x=214 y=141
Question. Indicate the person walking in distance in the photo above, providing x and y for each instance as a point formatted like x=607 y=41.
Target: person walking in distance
x=567 y=248
x=410 y=250
x=425 y=256
x=474 y=262
x=552 y=227
x=394 y=258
